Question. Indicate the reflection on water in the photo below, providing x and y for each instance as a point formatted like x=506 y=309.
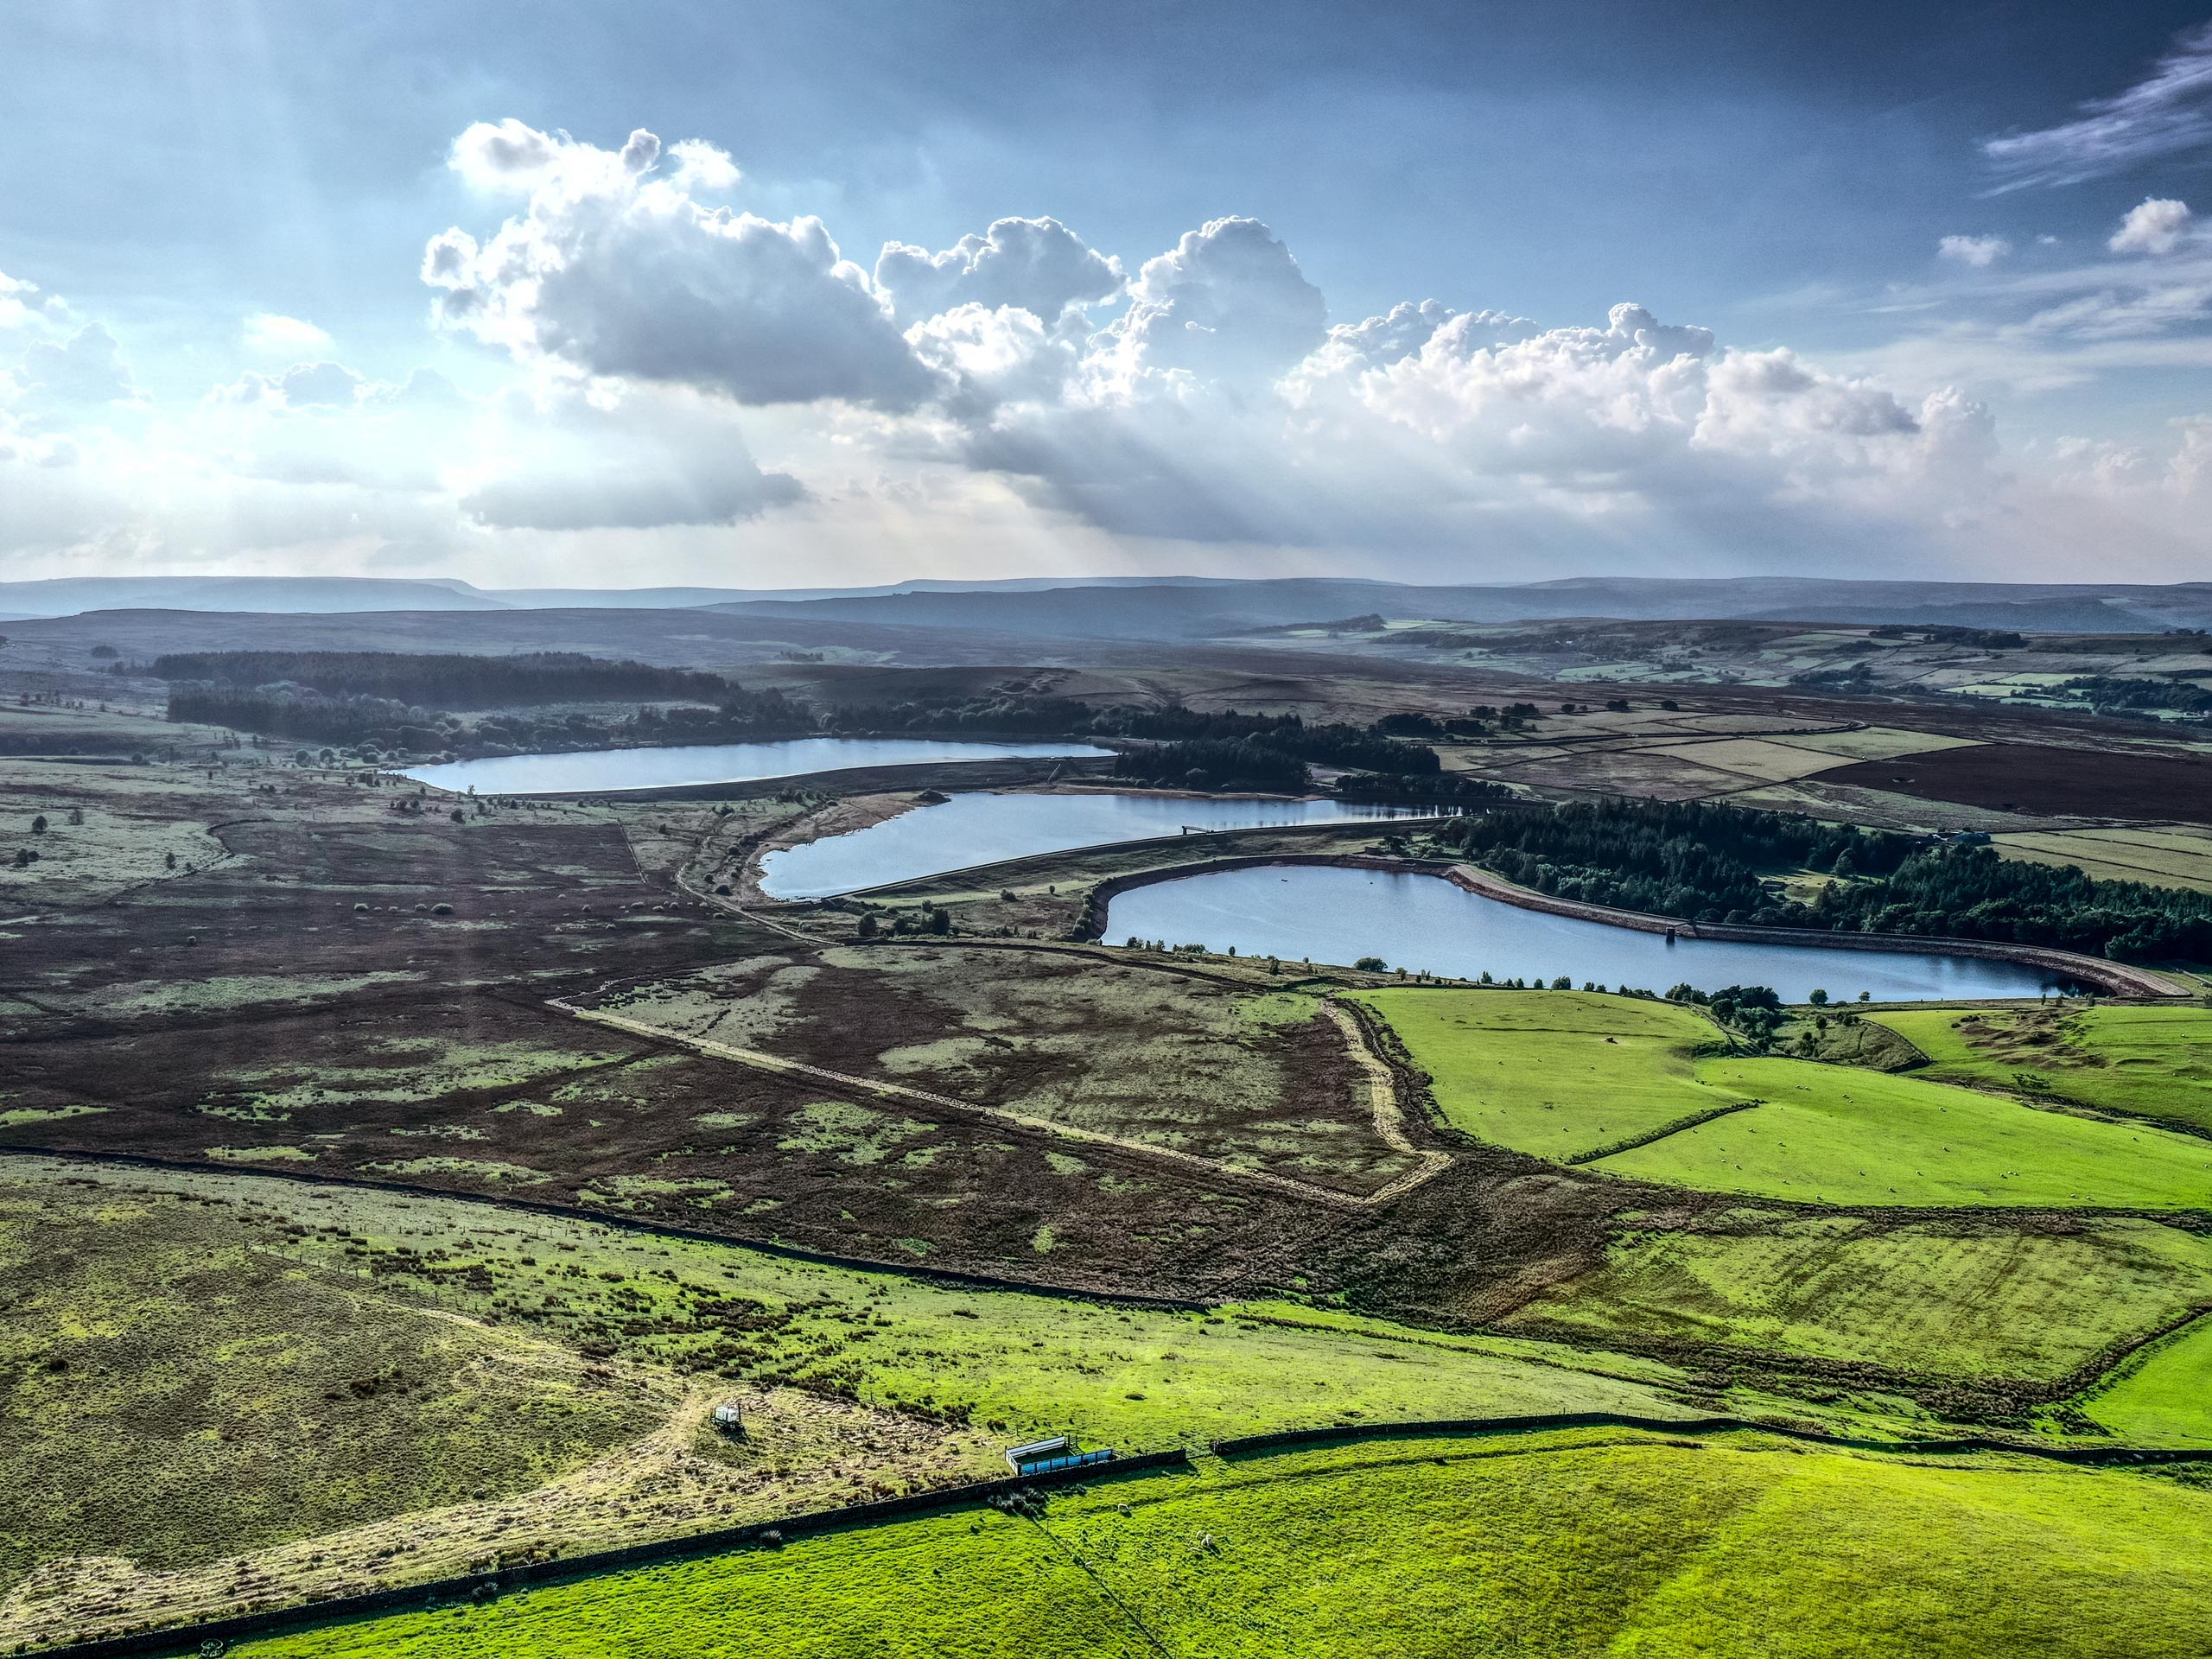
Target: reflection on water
x=983 y=827
x=584 y=771
x=1423 y=922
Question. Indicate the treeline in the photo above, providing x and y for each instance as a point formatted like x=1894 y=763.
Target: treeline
x=1672 y=858
x=1945 y=634
x=1212 y=763
x=2109 y=695
x=444 y=680
x=306 y=715
x=395 y=701
x=1706 y=862
x=1186 y=748
x=1972 y=893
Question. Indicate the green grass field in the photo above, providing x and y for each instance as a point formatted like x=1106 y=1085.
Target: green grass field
x=1552 y=1546
x=1556 y=1073
x=2163 y=1395
x=1922 y=1300
x=1836 y=1136
x=2154 y=1062
x=1562 y=1074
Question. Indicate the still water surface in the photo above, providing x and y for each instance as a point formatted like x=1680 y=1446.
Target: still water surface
x=584 y=771
x=984 y=827
x=1421 y=922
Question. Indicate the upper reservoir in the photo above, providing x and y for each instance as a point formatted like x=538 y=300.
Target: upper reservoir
x=984 y=827
x=586 y=772
x=1423 y=922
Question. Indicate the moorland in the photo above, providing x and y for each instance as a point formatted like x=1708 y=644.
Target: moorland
x=393 y=1182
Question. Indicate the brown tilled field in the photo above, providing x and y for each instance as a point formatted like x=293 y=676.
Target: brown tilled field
x=2041 y=779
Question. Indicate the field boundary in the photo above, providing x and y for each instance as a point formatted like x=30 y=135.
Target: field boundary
x=1696 y=1120
x=2091 y=1456
x=486 y=1585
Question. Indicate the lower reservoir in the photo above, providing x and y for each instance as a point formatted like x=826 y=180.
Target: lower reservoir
x=1417 y=922
x=585 y=772
x=984 y=827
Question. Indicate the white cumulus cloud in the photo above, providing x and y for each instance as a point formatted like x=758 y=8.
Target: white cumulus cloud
x=610 y=270
x=2154 y=225
x=1980 y=251
x=1037 y=265
x=1227 y=300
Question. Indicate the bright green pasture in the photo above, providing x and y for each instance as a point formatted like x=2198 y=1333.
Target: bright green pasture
x=1841 y=1135
x=1549 y=1546
x=1924 y=1300
x=2153 y=1061
x=1555 y=1073
x=2164 y=1394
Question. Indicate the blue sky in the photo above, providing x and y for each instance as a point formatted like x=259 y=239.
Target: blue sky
x=239 y=196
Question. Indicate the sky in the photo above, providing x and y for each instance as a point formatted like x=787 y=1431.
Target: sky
x=752 y=295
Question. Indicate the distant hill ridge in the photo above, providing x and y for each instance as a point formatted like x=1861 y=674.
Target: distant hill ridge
x=1188 y=607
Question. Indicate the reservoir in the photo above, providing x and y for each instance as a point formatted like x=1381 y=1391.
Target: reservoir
x=1423 y=922
x=586 y=772
x=984 y=827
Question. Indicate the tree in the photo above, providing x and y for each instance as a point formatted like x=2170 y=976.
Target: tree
x=1818 y=999
x=868 y=927
x=38 y=824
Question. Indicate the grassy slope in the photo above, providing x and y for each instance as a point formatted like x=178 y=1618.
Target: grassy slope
x=2153 y=1061
x=203 y=1335
x=1554 y=1548
x=1534 y=1069
x=1916 y=1299
x=2165 y=1395
x=1847 y=1137
x=173 y=1392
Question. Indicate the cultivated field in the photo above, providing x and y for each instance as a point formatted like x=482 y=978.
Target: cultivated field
x=1983 y=1304
x=2037 y=778
x=2171 y=857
